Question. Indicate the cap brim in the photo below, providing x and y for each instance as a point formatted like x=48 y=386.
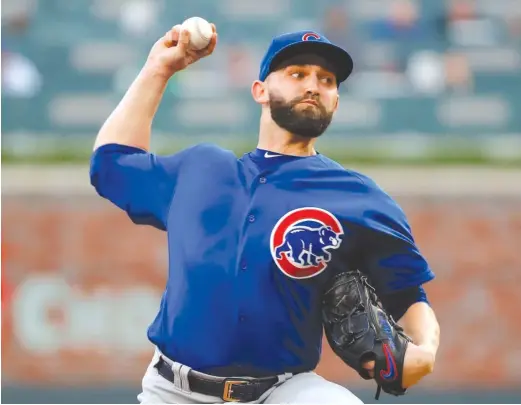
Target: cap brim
x=335 y=55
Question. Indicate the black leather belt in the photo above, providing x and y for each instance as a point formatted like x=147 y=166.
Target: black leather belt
x=229 y=389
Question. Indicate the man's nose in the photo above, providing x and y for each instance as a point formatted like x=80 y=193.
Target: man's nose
x=311 y=85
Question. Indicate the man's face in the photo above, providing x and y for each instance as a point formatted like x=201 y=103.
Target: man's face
x=303 y=96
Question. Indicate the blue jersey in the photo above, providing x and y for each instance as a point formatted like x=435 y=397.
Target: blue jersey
x=252 y=242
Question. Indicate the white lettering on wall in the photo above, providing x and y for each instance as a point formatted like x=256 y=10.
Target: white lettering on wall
x=50 y=315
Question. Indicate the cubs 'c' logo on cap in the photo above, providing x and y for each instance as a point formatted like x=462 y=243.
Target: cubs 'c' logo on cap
x=310 y=36
x=301 y=240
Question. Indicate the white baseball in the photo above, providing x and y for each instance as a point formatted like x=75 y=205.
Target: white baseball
x=200 y=32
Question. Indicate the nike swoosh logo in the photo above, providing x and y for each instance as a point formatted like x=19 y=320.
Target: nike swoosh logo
x=391 y=373
x=268 y=155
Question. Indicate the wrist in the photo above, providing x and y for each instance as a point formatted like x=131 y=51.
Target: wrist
x=157 y=72
x=429 y=358
x=429 y=349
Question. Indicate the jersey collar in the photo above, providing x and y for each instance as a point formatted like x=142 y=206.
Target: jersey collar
x=263 y=154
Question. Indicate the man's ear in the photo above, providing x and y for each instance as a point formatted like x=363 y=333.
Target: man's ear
x=337 y=101
x=259 y=92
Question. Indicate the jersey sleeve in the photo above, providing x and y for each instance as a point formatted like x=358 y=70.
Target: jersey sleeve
x=389 y=251
x=140 y=183
x=398 y=303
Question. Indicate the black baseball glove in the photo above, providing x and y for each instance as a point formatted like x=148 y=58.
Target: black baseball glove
x=358 y=330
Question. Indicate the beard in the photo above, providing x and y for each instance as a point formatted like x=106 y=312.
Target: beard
x=308 y=121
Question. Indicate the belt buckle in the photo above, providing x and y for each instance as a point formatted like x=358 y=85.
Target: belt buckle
x=228 y=389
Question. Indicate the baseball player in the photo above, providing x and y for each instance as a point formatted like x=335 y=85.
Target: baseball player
x=264 y=248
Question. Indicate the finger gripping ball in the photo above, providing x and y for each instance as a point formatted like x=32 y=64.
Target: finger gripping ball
x=200 y=32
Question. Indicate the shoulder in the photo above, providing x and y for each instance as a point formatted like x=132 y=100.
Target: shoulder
x=367 y=182
x=207 y=151
x=379 y=199
x=200 y=149
x=208 y=148
x=211 y=148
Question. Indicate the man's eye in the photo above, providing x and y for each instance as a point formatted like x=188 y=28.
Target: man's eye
x=328 y=80
x=297 y=75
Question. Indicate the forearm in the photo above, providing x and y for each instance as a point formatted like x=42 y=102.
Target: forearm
x=420 y=323
x=131 y=122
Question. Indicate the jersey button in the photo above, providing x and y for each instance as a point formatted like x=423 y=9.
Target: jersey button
x=242 y=318
x=251 y=218
x=262 y=180
x=244 y=266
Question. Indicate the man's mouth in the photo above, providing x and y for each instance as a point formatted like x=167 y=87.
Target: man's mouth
x=312 y=102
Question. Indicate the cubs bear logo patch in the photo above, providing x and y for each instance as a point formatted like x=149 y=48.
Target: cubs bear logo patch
x=302 y=239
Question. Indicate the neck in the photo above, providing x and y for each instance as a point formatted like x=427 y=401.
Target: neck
x=276 y=139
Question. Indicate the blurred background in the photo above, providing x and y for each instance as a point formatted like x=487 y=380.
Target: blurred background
x=432 y=112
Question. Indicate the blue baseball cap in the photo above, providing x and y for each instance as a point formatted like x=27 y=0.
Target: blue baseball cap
x=294 y=43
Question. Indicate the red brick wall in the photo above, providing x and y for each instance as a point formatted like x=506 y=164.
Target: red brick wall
x=81 y=283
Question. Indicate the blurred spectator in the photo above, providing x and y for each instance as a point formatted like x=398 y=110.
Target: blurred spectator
x=514 y=29
x=336 y=25
x=463 y=25
x=432 y=74
x=20 y=76
x=402 y=23
x=241 y=66
x=458 y=75
x=139 y=17
x=399 y=32
x=337 y=28
x=426 y=73
x=16 y=15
